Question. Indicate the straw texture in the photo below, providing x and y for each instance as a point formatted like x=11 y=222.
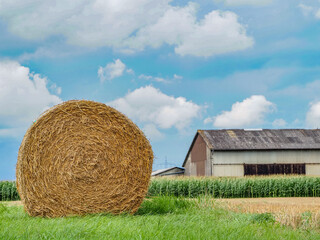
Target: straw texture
x=83 y=157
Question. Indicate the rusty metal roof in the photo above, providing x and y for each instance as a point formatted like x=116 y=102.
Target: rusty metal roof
x=263 y=139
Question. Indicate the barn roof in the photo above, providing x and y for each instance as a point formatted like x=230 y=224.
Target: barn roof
x=259 y=139
x=161 y=171
x=263 y=139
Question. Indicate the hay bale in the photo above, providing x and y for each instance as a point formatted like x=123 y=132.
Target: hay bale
x=83 y=157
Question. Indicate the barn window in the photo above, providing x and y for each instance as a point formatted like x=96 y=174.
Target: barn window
x=269 y=169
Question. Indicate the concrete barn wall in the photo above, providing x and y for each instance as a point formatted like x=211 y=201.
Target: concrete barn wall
x=227 y=170
x=223 y=160
x=267 y=157
x=208 y=162
x=312 y=169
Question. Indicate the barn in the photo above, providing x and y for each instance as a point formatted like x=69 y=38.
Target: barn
x=168 y=172
x=241 y=152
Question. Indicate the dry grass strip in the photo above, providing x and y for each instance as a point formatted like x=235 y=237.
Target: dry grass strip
x=83 y=157
x=299 y=212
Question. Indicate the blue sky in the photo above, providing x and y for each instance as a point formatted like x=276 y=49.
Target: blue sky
x=172 y=66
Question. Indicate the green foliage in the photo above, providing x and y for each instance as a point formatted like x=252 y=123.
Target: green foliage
x=245 y=187
x=226 y=187
x=8 y=191
x=3 y=208
x=262 y=218
x=164 y=205
x=190 y=222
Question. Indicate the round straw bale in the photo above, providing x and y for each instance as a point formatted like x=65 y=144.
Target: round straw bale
x=83 y=157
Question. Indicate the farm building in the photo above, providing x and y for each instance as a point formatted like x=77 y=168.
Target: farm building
x=172 y=172
x=240 y=152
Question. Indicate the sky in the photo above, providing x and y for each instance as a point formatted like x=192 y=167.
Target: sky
x=171 y=66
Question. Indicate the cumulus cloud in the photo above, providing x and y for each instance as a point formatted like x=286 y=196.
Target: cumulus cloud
x=159 y=79
x=308 y=90
x=317 y=14
x=130 y=71
x=23 y=96
x=127 y=25
x=217 y=33
x=306 y=10
x=309 y=10
x=152 y=132
x=112 y=70
x=313 y=115
x=248 y=113
x=176 y=76
x=152 y=78
x=149 y=105
x=245 y=2
x=279 y=123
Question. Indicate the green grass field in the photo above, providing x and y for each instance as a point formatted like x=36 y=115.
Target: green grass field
x=158 y=218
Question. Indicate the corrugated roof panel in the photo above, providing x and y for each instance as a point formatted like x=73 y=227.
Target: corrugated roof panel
x=239 y=139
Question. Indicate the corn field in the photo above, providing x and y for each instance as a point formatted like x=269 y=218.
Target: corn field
x=8 y=191
x=246 y=187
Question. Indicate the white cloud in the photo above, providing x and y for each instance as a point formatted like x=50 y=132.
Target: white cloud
x=152 y=132
x=56 y=89
x=160 y=79
x=317 y=14
x=145 y=77
x=23 y=96
x=279 y=123
x=309 y=90
x=313 y=115
x=310 y=10
x=249 y=82
x=52 y=50
x=149 y=105
x=245 y=2
x=217 y=33
x=208 y=120
x=130 y=71
x=126 y=25
x=248 y=113
x=112 y=70
x=152 y=78
x=306 y=10
x=175 y=76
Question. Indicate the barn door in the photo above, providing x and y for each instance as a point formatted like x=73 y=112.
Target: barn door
x=270 y=169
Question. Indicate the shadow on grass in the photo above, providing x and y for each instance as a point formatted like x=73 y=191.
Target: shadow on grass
x=262 y=218
x=164 y=205
x=150 y=206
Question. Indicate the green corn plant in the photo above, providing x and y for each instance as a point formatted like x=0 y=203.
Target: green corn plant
x=271 y=186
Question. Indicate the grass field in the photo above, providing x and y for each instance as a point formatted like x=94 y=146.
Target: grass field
x=158 y=218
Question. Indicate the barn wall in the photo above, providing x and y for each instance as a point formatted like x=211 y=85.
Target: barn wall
x=312 y=169
x=187 y=167
x=190 y=167
x=258 y=157
x=198 y=157
x=227 y=170
x=221 y=159
x=208 y=162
